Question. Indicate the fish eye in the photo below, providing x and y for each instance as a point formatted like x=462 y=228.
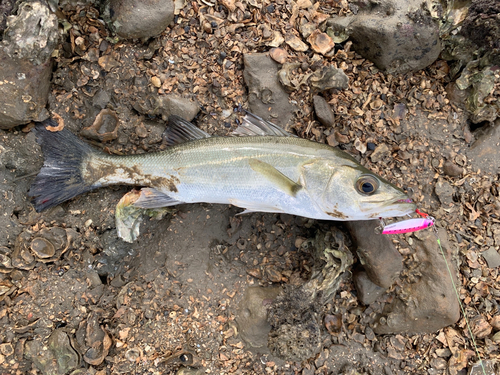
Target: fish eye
x=367 y=185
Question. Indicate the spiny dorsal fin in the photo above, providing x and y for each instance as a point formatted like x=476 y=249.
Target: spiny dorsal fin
x=253 y=125
x=180 y=131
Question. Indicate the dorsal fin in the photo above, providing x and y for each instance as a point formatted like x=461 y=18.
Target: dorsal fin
x=254 y=125
x=180 y=130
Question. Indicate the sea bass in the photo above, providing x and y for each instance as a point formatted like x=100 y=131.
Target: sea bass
x=262 y=168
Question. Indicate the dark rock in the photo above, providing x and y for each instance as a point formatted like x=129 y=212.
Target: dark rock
x=101 y=99
x=167 y=105
x=492 y=257
x=368 y=292
x=24 y=91
x=140 y=19
x=483 y=154
x=397 y=36
x=251 y=317
x=380 y=259
x=57 y=357
x=451 y=169
x=66 y=357
x=323 y=111
x=266 y=97
x=444 y=191
x=23 y=41
x=26 y=67
x=175 y=105
x=429 y=302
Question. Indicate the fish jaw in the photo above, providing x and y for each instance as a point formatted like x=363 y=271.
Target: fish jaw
x=397 y=209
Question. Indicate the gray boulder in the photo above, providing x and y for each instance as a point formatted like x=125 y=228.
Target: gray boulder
x=140 y=19
x=397 y=36
x=266 y=97
x=427 y=301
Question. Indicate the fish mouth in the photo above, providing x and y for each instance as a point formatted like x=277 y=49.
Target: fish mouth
x=404 y=200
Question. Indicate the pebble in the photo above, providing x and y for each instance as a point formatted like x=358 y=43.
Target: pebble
x=451 y=169
x=381 y=151
x=323 y=111
x=444 y=191
x=492 y=257
x=368 y=292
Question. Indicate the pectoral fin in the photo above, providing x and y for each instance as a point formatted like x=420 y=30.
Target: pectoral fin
x=274 y=176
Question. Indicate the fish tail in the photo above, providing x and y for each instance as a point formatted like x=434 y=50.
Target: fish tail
x=65 y=157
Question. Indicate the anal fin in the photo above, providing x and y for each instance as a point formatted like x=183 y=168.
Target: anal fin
x=152 y=198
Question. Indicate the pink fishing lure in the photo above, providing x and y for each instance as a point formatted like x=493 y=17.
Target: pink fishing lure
x=410 y=225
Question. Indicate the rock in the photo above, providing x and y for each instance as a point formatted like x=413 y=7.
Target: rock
x=483 y=154
x=323 y=111
x=26 y=67
x=328 y=78
x=266 y=97
x=444 y=191
x=101 y=99
x=251 y=317
x=451 y=169
x=492 y=257
x=368 y=292
x=456 y=95
x=480 y=327
x=167 y=105
x=380 y=152
x=380 y=259
x=140 y=19
x=429 y=302
x=57 y=357
x=175 y=105
x=397 y=36
x=23 y=41
x=65 y=356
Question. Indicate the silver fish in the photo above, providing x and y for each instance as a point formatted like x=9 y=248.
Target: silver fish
x=263 y=169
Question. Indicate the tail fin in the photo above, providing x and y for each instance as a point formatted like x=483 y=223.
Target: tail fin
x=60 y=178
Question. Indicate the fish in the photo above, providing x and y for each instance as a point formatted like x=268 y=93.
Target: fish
x=261 y=168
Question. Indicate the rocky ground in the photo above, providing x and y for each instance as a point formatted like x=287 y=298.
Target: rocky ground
x=204 y=290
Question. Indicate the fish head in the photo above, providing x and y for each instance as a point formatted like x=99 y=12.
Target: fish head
x=352 y=192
